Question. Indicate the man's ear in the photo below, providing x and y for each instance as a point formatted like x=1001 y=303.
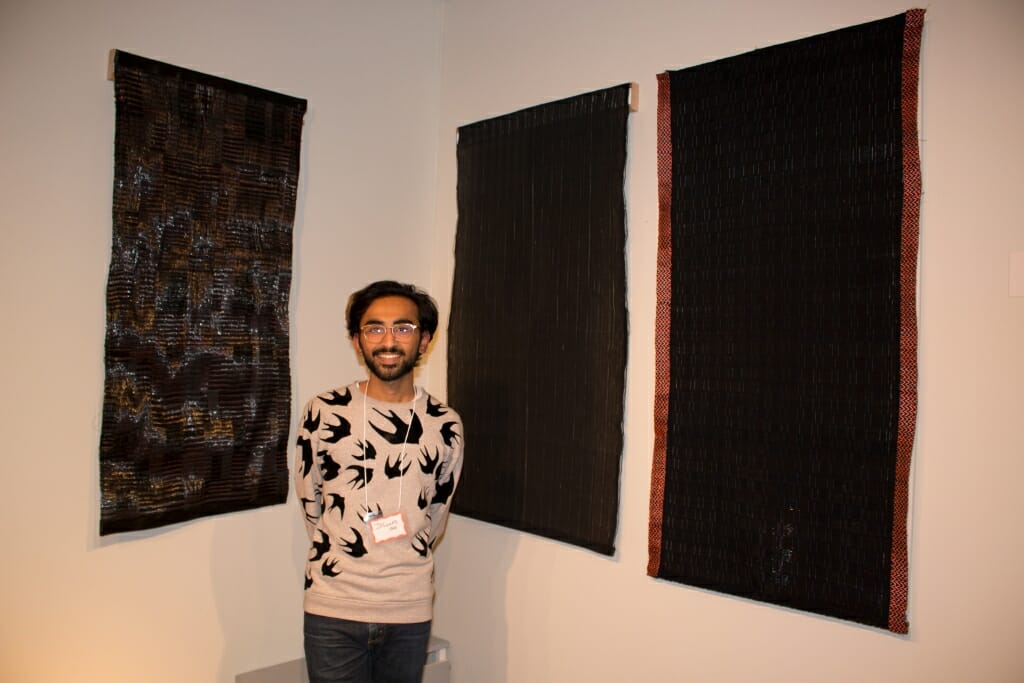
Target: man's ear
x=424 y=341
x=357 y=346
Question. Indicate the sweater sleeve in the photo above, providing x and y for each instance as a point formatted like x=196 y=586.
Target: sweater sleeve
x=447 y=481
x=308 y=478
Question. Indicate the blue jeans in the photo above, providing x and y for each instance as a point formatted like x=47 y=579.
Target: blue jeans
x=343 y=651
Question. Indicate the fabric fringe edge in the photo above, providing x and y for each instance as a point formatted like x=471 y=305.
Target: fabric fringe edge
x=662 y=345
x=909 y=239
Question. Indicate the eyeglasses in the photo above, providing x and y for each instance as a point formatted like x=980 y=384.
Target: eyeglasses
x=401 y=332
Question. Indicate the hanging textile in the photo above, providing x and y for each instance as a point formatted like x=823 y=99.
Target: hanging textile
x=786 y=394
x=197 y=401
x=537 y=336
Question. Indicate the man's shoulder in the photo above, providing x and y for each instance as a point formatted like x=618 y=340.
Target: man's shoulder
x=338 y=396
x=438 y=408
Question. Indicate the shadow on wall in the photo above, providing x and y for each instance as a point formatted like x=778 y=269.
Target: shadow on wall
x=256 y=571
x=470 y=607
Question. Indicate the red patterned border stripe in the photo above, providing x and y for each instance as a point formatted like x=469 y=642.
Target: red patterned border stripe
x=663 y=322
x=899 y=575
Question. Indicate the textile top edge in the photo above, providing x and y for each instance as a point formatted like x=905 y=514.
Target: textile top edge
x=606 y=98
x=127 y=60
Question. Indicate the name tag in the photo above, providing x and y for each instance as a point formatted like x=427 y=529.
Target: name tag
x=388 y=528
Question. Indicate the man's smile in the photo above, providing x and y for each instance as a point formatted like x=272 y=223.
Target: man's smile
x=387 y=355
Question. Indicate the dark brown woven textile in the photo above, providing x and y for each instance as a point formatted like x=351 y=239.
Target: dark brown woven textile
x=197 y=398
x=786 y=394
x=537 y=337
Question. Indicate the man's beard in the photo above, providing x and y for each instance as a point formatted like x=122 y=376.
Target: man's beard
x=404 y=367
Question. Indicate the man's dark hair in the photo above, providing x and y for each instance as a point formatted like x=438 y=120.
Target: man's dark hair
x=361 y=300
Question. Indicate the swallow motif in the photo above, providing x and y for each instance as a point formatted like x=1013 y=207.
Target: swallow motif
x=448 y=434
x=320 y=547
x=367 y=452
x=435 y=409
x=328 y=466
x=443 y=490
x=428 y=464
x=336 y=502
x=339 y=431
x=393 y=470
x=311 y=424
x=333 y=398
x=421 y=543
x=306 y=503
x=361 y=476
x=398 y=436
x=307 y=455
x=354 y=548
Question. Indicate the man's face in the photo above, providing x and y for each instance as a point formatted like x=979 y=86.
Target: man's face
x=391 y=359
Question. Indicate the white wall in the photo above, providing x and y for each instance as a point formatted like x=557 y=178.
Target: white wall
x=388 y=82
x=205 y=600
x=521 y=608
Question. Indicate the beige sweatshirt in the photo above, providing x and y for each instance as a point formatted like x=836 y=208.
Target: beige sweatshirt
x=399 y=462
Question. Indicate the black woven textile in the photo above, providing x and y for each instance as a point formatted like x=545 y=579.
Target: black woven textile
x=197 y=397
x=537 y=336
x=792 y=338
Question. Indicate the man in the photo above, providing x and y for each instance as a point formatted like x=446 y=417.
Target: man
x=377 y=462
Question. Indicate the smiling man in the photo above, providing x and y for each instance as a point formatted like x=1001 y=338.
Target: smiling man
x=377 y=462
